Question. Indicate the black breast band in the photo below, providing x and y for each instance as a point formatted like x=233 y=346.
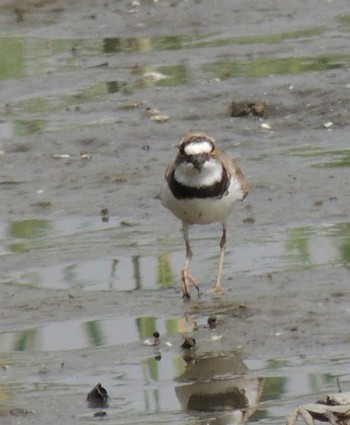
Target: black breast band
x=217 y=190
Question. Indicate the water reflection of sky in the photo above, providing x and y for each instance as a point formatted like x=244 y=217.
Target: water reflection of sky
x=153 y=385
x=46 y=110
x=289 y=248
x=149 y=384
x=78 y=334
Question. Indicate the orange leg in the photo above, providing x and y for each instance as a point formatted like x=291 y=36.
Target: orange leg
x=218 y=287
x=186 y=276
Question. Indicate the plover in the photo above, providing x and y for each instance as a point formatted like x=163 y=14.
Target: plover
x=201 y=187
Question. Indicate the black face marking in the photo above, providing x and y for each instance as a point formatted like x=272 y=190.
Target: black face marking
x=216 y=190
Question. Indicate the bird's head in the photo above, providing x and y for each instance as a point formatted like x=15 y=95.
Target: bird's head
x=196 y=149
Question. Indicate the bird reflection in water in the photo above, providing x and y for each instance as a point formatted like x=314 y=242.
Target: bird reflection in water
x=219 y=385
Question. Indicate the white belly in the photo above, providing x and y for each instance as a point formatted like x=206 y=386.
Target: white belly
x=202 y=210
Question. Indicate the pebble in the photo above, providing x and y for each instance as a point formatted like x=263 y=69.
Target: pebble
x=266 y=126
x=328 y=124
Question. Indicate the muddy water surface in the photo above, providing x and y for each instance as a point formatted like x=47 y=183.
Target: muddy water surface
x=93 y=99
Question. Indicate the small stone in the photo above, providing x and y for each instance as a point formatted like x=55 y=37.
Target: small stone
x=98 y=396
x=328 y=124
x=189 y=343
x=160 y=118
x=266 y=126
x=249 y=220
x=85 y=156
x=155 y=76
x=61 y=156
x=100 y=414
x=248 y=108
x=212 y=321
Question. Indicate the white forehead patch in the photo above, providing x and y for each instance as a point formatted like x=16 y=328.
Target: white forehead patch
x=197 y=148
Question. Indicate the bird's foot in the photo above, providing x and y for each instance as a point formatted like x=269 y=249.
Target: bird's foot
x=218 y=288
x=187 y=281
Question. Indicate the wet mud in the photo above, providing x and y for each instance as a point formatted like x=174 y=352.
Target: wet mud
x=93 y=99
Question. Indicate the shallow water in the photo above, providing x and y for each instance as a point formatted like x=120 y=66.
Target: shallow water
x=80 y=295
x=154 y=384
x=287 y=249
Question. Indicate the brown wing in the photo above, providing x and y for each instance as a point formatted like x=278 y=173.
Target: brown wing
x=169 y=170
x=234 y=170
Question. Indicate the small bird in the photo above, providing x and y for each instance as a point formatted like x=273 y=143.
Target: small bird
x=201 y=187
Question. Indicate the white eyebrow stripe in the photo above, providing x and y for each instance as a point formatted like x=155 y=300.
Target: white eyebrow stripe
x=197 y=148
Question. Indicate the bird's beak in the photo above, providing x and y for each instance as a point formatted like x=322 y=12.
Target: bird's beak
x=198 y=161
